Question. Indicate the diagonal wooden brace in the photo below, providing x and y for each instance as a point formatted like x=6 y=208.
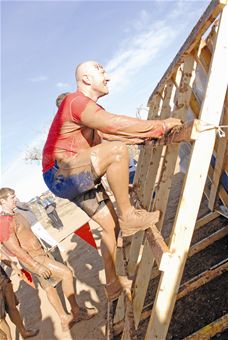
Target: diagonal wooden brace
x=159 y=248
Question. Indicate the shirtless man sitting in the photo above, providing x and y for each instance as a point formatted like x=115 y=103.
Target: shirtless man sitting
x=75 y=159
x=17 y=237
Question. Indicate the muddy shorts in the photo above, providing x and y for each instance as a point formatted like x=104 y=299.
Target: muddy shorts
x=80 y=185
x=44 y=259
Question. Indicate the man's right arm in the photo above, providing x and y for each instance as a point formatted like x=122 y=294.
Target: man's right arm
x=14 y=247
x=125 y=126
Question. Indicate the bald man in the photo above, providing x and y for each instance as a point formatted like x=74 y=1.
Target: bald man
x=75 y=159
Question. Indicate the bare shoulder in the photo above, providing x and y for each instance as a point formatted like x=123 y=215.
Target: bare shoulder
x=20 y=220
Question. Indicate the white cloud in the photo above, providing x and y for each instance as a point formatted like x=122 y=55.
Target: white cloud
x=136 y=51
x=38 y=79
x=63 y=85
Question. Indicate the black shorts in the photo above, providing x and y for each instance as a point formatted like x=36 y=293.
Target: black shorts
x=93 y=200
x=79 y=184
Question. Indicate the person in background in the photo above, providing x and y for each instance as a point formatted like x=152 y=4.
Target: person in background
x=50 y=207
x=17 y=237
x=37 y=228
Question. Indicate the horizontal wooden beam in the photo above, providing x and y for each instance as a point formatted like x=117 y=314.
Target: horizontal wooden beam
x=193 y=284
x=209 y=331
x=202 y=279
x=200 y=28
x=206 y=219
x=199 y=246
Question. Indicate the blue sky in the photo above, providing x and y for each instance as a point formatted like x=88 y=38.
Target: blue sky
x=43 y=41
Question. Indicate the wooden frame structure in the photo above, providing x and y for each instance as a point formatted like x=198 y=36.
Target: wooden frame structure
x=205 y=52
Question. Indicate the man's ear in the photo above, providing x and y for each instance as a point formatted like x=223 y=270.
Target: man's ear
x=1 y=201
x=86 y=79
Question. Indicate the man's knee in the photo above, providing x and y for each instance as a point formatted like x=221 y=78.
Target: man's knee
x=68 y=275
x=119 y=148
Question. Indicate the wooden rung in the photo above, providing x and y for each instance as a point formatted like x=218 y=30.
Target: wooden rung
x=197 y=247
x=206 y=219
x=207 y=332
x=202 y=279
x=193 y=284
x=158 y=247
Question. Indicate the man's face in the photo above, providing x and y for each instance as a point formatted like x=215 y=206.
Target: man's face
x=99 y=79
x=9 y=202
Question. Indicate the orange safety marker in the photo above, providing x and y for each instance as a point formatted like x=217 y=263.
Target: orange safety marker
x=84 y=232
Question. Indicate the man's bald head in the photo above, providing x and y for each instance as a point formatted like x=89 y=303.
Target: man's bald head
x=92 y=79
x=85 y=69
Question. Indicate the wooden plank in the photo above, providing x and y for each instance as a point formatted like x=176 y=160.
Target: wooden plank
x=194 y=283
x=129 y=332
x=136 y=245
x=138 y=168
x=199 y=246
x=222 y=148
x=155 y=106
x=207 y=332
x=211 y=38
x=206 y=219
x=202 y=279
x=118 y=316
x=110 y=317
x=153 y=113
x=184 y=223
x=205 y=58
x=195 y=105
x=158 y=246
x=141 y=282
x=141 y=177
x=156 y=160
x=212 y=11
x=143 y=172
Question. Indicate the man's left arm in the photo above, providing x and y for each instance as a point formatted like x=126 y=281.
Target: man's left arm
x=123 y=139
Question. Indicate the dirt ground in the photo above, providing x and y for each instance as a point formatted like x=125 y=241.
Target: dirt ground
x=194 y=311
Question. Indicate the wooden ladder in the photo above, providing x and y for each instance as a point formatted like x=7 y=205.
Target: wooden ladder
x=147 y=254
